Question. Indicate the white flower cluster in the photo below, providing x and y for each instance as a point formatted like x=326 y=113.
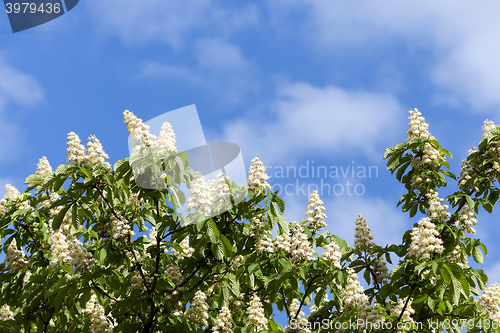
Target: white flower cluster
x=15 y=259
x=487 y=127
x=99 y=322
x=381 y=271
x=466 y=179
x=43 y=166
x=332 y=254
x=466 y=220
x=363 y=235
x=467 y=172
x=418 y=126
x=223 y=322
x=490 y=302
x=5 y=313
x=12 y=194
x=197 y=314
x=59 y=251
x=236 y=304
x=48 y=201
x=67 y=249
x=301 y=323
x=408 y=312
x=134 y=199
x=263 y=244
x=142 y=138
x=81 y=259
x=96 y=152
x=353 y=291
x=206 y=195
x=282 y=243
x=419 y=129
x=257 y=176
x=77 y=154
x=187 y=251
x=315 y=216
x=166 y=139
x=256 y=317
x=420 y=180
x=437 y=211
x=425 y=239
x=173 y=272
x=454 y=257
x=120 y=228
x=300 y=246
x=137 y=282
x=354 y=296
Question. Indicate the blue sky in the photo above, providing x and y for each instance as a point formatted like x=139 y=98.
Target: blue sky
x=290 y=81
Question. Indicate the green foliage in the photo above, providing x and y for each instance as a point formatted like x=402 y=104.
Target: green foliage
x=148 y=283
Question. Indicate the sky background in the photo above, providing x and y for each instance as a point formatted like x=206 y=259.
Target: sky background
x=292 y=82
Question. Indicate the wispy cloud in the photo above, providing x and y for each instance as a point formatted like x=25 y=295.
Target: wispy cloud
x=458 y=44
x=326 y=120
x=19 y=88
x=219 y=69
x=172 y=22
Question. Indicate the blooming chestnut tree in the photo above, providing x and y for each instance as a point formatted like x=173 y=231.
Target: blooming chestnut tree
x=89 y=249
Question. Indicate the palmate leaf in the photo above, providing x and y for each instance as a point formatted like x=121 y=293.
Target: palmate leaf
x=391 y=150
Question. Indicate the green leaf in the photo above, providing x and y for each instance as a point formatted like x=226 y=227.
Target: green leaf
x=470 y=202
x=402 y=170
x=235 y=284
x=394 y=162
x=225 y=295
x=102 y=255
x=213 y=232
x=34 y=179
x=367 y=276
x=477 y=254
x=86 y=172
x=75 y=217
x=282 y=224
x=218 y=251
x=445 y=273
x=487 y=206
x=281 y=204
x=465 y=284
x=457 y=289
x=228 y=248
x=56 y=223
x=62 y=169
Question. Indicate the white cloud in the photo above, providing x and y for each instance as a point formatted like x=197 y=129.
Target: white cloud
x=170 y=21
x=219 y=55
x=19 y=88
x=325 y=121
x=221 y=70
x=459 y=44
